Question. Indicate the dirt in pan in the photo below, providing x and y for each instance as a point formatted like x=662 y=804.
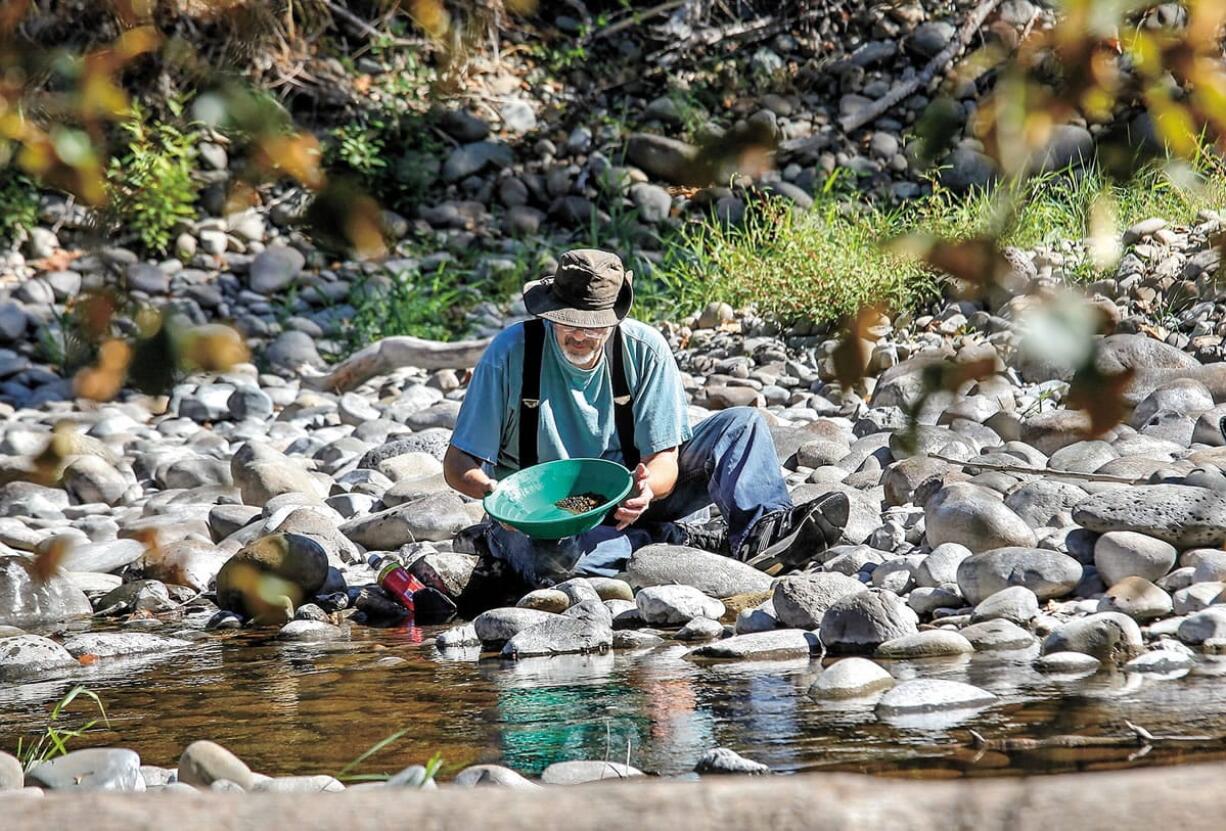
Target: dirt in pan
x=581 y=503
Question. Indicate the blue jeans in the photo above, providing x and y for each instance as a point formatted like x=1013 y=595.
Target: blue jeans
x=730 y=462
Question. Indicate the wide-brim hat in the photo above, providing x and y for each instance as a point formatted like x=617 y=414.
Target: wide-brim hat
x=590 y=288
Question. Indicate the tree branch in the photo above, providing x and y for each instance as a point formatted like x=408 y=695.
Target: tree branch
x=856 y=120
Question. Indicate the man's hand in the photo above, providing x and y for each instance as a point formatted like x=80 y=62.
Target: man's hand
x=633 y=507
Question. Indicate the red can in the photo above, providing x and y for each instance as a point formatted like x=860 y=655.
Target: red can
x=396 y=581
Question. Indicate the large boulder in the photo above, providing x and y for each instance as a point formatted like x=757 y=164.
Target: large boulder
x=439 y=516
x=270 y=578
x=1046 y=573
x=973 y=516
x=1184 y=516
x=711 y=574
x=28 y=601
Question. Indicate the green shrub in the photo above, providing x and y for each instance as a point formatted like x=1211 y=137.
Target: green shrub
x=150 y=185
x=425 y=306
x=18 y=204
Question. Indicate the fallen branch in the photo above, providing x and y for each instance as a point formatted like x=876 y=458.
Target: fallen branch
x=856 y=120
x=389 y=354
x=1138 y=737
x=1034 y=471
x=635 y=18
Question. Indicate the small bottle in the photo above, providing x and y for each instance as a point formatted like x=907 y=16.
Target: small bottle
x=396 y=581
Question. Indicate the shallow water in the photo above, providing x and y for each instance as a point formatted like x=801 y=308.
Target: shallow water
x=311 y=708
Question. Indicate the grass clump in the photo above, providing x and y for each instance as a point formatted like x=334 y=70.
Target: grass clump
x=814 y=266
x=53 y=741
x=829 y=262
x=151 y=188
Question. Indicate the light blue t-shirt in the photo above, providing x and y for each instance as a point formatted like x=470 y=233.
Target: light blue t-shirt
x=576 y=410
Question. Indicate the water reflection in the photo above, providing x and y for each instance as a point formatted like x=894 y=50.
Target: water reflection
x=311 y=708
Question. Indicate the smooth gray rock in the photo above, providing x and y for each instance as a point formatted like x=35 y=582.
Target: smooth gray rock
x=925 y=695
x=578 y=772
x=274 y=269
x=801 y=600
x=1196 y=629
x=941 y=565
x=102 y=556
x=310 y=631
x=1016 y=604
x=475 y=776
x=204 y=762
x=90 y=479
x=723 y=760
x=12 y=774
x=25 y=655
x=1185 y=517
x=437 y=517
x=1108 y=636
x=320 y=783
x=458 y=637
x=117 y=644
x=927 y=644
x=711 y=574
x=1160 y=661
x=559 y=636
x=498 y=625
x=1067 y=662
x=93 y=769
x=851 y=678
x=1046 y=573
x=780 y=643
x=1138 y=598
x=26 y=601
x=1122 y=554
x=675 y=605
x=1039 y=502
x=862 y=621
x=972 y=516
x=999 y=634
x=700 y=629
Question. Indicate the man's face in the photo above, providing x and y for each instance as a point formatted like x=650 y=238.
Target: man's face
x=581 y=346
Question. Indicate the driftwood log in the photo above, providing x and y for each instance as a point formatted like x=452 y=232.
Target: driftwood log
x=389 y=354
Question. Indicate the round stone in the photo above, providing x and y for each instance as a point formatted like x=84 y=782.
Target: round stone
x=1121 y=554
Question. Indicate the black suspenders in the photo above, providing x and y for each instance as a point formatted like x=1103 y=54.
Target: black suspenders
x=530 y=397
x=623 y=403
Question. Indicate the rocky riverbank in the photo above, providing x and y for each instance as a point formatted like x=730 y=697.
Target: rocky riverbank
x=1003 y=523
x=1022 y=537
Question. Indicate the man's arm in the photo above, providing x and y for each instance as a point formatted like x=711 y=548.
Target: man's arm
x=463 y=473
x=654 y=478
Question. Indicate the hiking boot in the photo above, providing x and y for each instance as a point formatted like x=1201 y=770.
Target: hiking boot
x=788 y=539
x=712 y=537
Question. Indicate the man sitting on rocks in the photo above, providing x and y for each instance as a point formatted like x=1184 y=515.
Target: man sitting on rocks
x=584 y=380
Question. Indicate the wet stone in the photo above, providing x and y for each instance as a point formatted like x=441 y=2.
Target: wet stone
x=94 y=769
